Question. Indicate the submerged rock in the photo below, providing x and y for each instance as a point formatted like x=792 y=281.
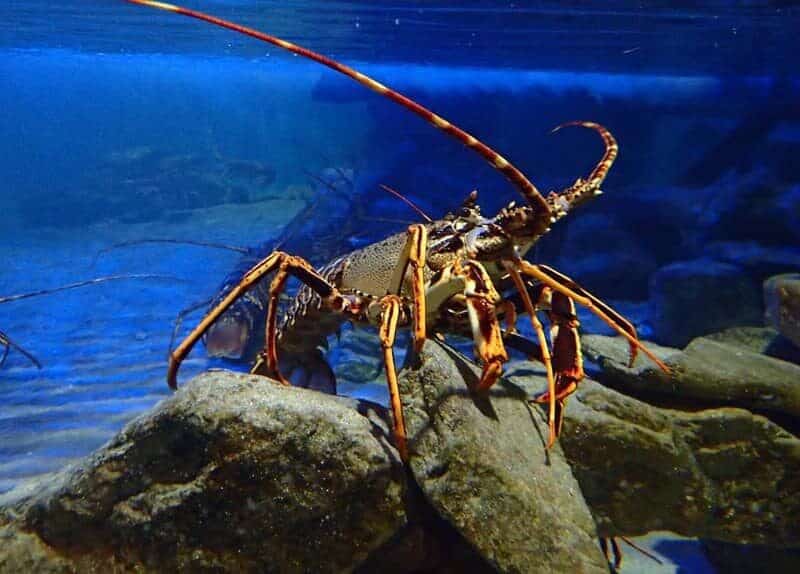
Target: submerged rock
x=482 y=463
x=782 y=302
x=722 y=473
x=762 y=340
x=694 y=298
x=237 y=473
x=707 y=370
x=232 y=473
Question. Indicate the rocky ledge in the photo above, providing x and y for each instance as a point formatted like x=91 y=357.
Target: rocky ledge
x=719 y=458
x=237 y=473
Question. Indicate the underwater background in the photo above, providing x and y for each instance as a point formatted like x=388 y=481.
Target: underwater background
x=120 y=123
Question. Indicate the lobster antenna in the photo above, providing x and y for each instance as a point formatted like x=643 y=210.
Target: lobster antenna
x=325 y=183
x=641 y=550
x=512 y=174
x=30 y=294
x=132 y=242
x=584 y=189
x=407 y=201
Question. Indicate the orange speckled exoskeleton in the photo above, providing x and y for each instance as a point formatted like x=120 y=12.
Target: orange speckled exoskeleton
x=444 y=275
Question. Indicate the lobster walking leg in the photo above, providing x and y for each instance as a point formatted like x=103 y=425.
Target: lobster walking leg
x=567 y=357
x=6 y=347
x=481 y=300
x=616 y=562
x=545 y=352
x=390 y=313
x=8 y=344
x=413 y=255
x=566 y=286
x=295 y=266
x=270 y=352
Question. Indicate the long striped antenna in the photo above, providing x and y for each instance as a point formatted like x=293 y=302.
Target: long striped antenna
x=583 y=189
x=96 y=281
x=515 y=176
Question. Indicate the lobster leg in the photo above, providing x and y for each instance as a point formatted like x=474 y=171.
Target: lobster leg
x=6 y=347
x=181 y=316
x=8 y=344
x=413 y=255
x=567 y=358
x=390 y=313
x=287 y=264
x=467 y=285
x=545 y=352
x=562 y=284
x=481 y=299
x=616 y=562
x=270 y=352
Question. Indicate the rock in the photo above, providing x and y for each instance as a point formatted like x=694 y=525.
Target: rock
x=722 y=473
x=482 y=464
x=709 y=371
x=762 y=340
x=782 y=303
x=755 y=339
x=232 y=473
x=693 y=298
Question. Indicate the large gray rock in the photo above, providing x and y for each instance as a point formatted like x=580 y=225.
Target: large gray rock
x=481 y=462
x=708 y=370
x=762 y=340
x=693 y=298
x=232 y=473
x=782 y=302
x=721 y=473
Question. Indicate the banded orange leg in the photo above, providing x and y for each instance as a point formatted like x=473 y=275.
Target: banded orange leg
x=286 y=265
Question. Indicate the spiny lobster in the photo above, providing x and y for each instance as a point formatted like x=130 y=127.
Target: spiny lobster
x=442 y=276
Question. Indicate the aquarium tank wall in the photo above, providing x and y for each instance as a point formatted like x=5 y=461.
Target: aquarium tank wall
x=518 y=284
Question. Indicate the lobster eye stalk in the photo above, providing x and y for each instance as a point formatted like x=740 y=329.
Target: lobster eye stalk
x=511 y=173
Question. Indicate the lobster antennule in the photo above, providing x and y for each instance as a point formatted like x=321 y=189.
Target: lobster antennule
x=512 y=174
x=583 y=189
x=407 y=201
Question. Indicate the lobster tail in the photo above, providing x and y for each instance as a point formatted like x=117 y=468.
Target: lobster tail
x=583 y=189
x=511 y=173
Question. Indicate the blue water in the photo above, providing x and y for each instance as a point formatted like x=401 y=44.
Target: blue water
x=101 y=100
